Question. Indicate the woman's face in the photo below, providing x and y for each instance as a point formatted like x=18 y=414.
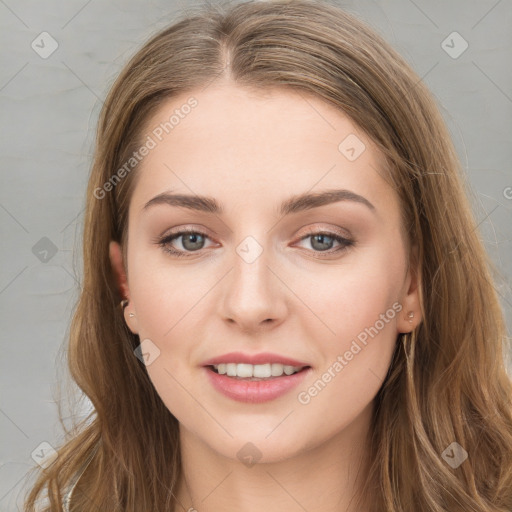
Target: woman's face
x=272 y=268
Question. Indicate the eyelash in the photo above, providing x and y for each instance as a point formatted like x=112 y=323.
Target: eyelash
x=164 y=243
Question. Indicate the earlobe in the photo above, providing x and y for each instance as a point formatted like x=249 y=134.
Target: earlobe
x=411 y=315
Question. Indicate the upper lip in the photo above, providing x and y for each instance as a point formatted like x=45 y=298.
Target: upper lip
x=262 y=358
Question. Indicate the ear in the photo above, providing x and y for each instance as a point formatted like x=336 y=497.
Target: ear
x=116 y=260
x=410 y=316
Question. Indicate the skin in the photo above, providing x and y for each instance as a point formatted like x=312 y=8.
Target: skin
x=251 y=151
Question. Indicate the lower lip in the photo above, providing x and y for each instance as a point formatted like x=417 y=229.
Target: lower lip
x=255 y=391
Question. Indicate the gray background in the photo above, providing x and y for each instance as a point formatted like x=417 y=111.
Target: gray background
x=50 y=107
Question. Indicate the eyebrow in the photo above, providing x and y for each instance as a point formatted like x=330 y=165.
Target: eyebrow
x=294 y=204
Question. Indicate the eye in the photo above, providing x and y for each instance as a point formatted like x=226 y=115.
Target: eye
x=322 y=242
x=192 y=241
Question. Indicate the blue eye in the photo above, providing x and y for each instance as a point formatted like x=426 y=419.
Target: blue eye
x=193 y=242
x=323 y=241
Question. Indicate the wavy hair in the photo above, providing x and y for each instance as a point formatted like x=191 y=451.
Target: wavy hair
x=447 y=381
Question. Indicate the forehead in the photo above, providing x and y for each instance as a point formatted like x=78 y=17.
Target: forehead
x=255 y=146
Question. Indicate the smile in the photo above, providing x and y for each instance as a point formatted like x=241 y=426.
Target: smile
x=255 y=371
x=251 y=389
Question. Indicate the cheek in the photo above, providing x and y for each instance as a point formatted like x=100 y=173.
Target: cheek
x=352 y=296
x=170 y=309
x=167 y=296
x=360 y=305
x=353 y=365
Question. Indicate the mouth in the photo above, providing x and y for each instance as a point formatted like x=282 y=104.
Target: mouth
x=254 y=373
x=255 y=383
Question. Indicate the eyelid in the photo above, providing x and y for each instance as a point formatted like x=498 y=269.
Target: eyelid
x=187 y=228
x=315 y=230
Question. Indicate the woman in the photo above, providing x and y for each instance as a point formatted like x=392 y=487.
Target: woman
x=285 y=304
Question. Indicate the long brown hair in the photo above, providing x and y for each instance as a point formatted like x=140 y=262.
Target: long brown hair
x=447 y=382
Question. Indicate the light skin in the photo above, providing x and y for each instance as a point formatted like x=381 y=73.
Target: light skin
x=252 y=151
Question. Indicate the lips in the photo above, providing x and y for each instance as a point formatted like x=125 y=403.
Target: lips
x=254 y=359
x=255 y=391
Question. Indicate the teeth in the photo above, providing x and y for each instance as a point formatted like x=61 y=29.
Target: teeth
x=260 y=371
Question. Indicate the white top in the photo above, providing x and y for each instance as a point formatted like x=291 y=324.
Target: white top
x=71 y=487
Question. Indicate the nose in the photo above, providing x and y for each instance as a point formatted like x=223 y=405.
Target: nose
x=254 y=296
